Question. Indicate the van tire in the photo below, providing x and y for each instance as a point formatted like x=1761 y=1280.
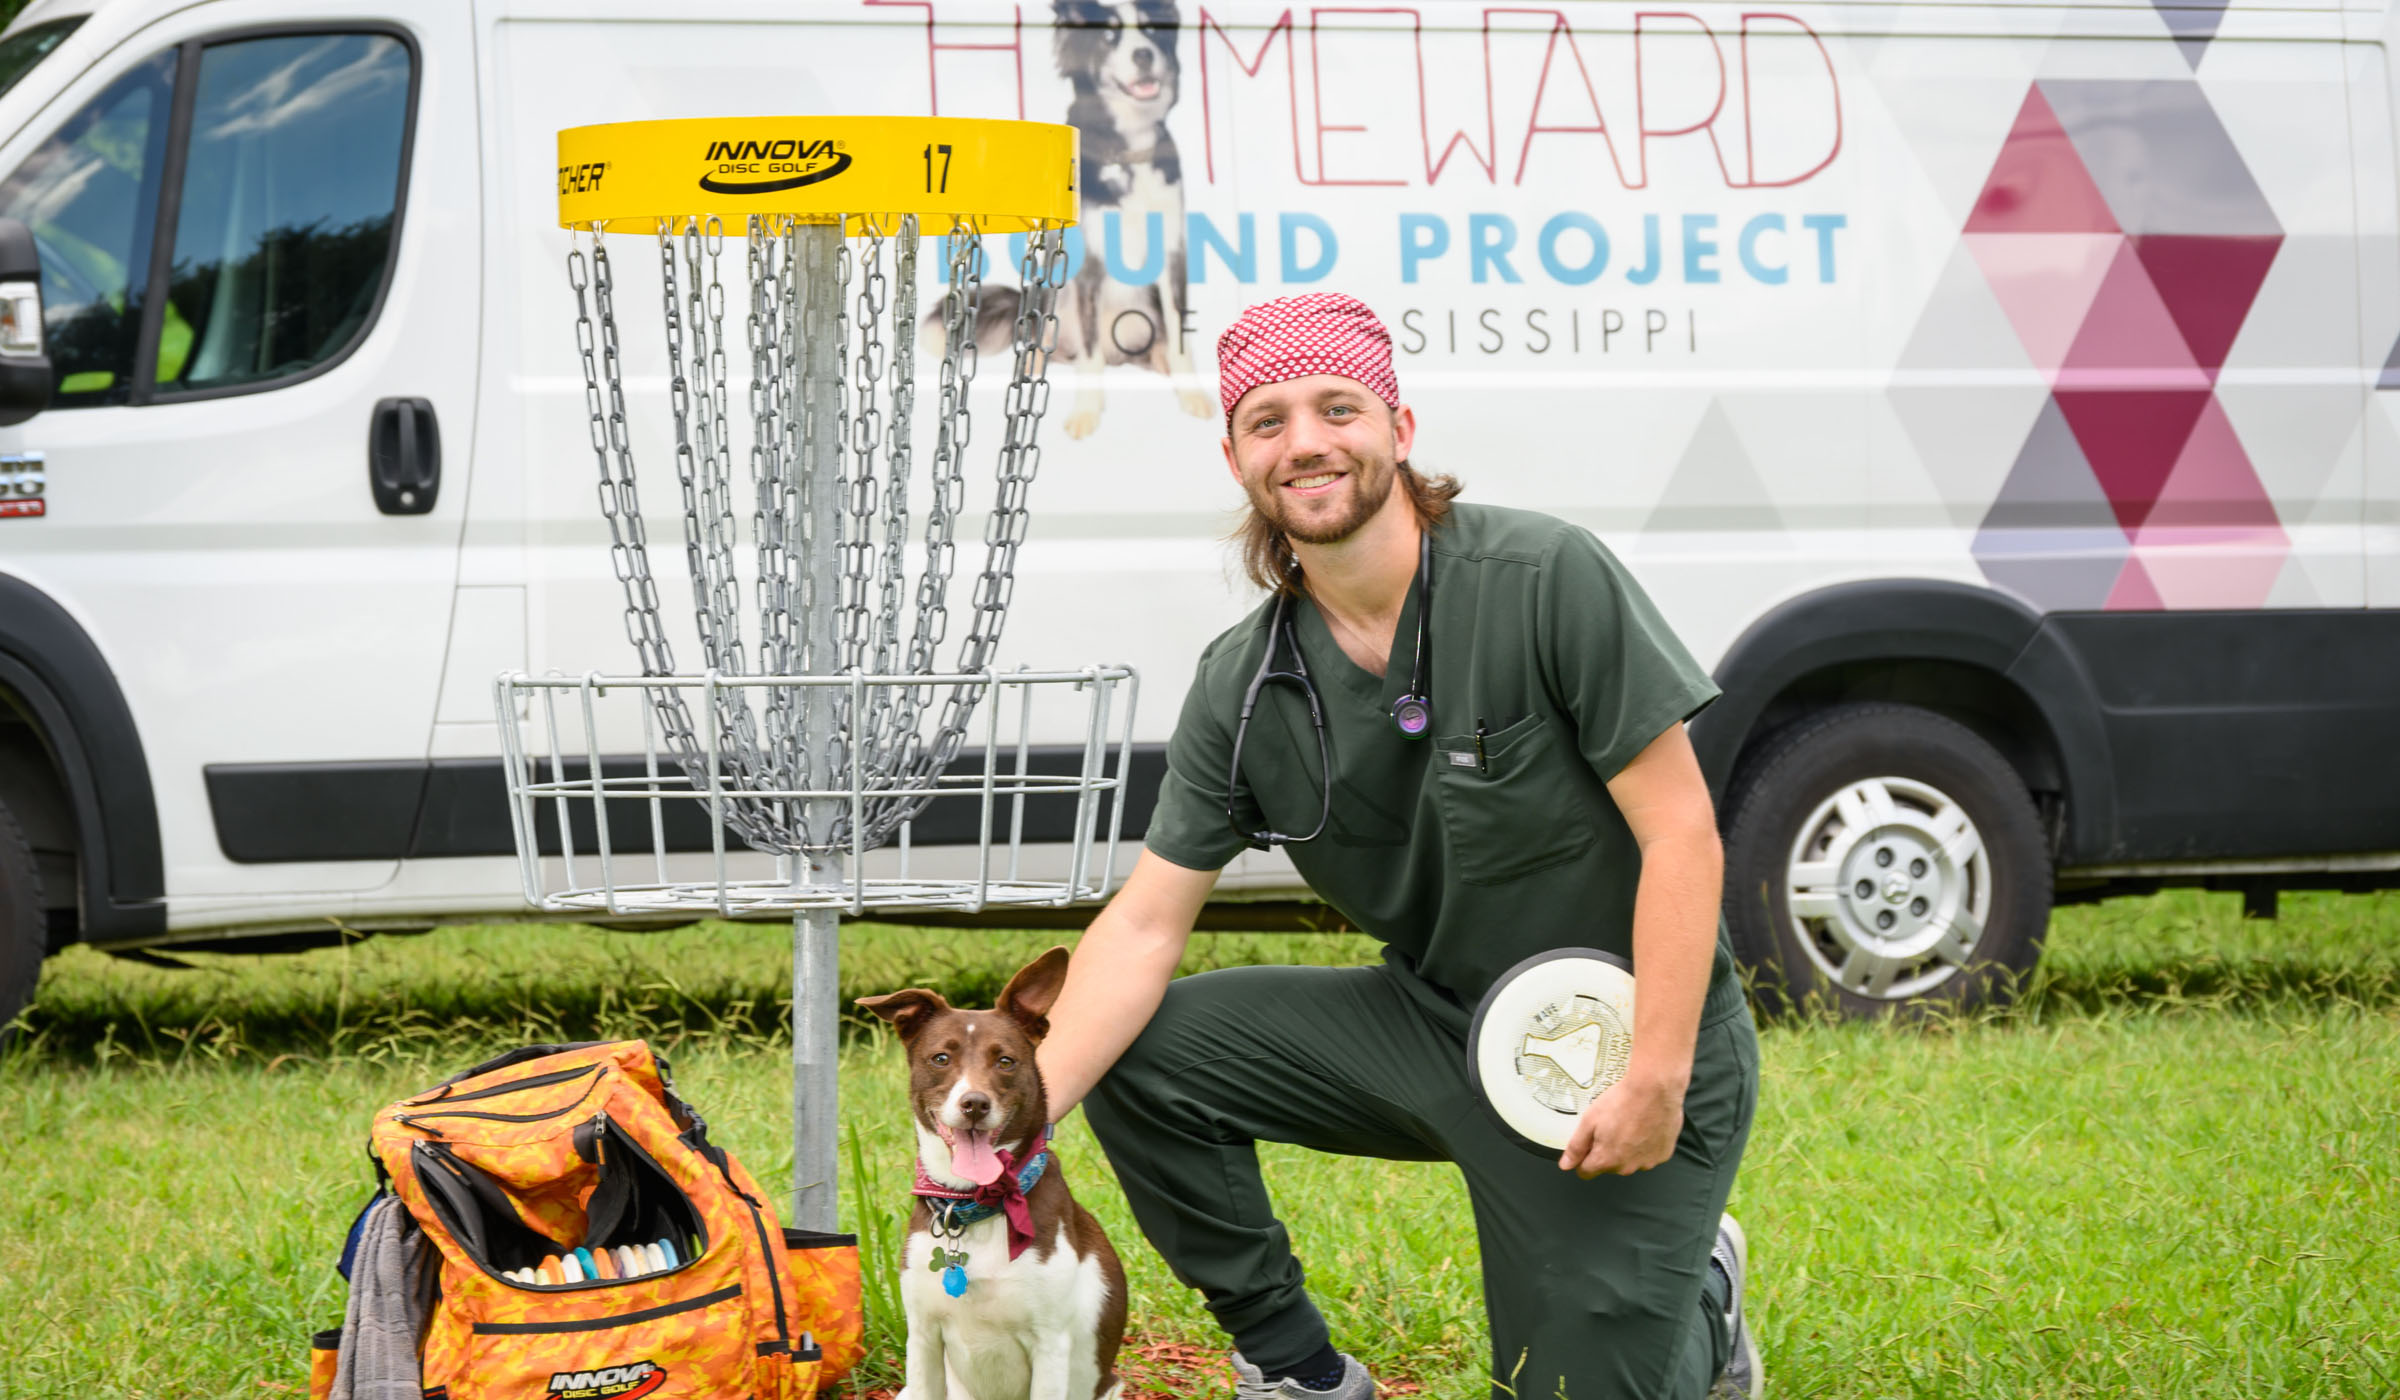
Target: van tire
x=24 y=923
x=1856 y=811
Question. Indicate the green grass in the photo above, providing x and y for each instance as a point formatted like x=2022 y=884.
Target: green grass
x=2168 y=1172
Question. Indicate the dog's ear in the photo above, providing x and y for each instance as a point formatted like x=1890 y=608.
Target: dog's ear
x=906 y=1010
x=1030 y=994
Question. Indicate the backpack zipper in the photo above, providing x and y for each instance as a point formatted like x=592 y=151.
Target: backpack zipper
x=560 y=1076
x=410 y=1119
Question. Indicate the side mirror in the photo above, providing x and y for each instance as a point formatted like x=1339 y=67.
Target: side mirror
x=25 y=376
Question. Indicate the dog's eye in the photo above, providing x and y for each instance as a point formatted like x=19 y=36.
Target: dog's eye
x=941 y=1057
x=1007 y=1063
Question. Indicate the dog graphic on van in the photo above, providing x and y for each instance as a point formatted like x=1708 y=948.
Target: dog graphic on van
x=1119 y=56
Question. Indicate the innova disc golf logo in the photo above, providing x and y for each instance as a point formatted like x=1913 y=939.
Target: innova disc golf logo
x=763 y=167
x=622 y=1382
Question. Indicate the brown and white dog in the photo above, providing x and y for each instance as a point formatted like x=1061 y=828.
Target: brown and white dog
x=1011 y=1287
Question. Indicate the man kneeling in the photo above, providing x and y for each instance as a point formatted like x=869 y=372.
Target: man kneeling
x=1501 y=710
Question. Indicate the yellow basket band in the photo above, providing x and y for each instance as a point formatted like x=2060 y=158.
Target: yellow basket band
x=998 y=176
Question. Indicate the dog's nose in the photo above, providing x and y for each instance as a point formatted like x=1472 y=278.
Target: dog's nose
x=1143 y=58
x=974 y=1107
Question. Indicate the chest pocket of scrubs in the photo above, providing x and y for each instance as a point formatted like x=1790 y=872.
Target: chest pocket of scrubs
x=1517 y=813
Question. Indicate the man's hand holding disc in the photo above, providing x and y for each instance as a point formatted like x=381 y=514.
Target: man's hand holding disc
x=1630 y=1127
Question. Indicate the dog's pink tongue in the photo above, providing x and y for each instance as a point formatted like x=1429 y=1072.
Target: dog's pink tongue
x=972 y=1157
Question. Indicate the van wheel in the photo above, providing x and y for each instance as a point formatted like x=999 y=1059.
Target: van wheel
x=1881 y=856
x=24 y=925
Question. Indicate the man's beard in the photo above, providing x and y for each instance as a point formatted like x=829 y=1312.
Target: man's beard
x=1372 y=486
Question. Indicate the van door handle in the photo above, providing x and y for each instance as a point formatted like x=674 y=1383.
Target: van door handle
x=404 y=456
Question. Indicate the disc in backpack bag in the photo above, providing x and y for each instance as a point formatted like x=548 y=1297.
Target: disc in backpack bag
x=1550 y=1035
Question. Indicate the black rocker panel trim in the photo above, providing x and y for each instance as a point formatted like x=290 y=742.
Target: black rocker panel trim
x=66 y=687
x=282 y=812
x=1904 y=621
x=269 y=812
x=2247 y=734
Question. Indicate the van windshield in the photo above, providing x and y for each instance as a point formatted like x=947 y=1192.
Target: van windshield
x=20 y=51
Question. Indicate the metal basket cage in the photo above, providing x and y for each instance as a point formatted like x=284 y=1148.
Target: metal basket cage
x=593 y=790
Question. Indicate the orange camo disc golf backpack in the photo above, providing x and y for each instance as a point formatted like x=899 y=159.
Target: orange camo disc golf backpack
x=594 y=1243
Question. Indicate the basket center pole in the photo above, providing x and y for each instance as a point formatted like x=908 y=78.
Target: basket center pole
x=816 y=933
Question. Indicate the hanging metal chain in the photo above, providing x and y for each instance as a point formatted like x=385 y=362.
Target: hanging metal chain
x=904 y=753
x=888 y=707
x=779 y=419
x=862 y=437
x=704 y=474
x=1033 y=337
x=708 y=488
x=962 y=305
x=1040 y=272
x=861 y=432
x=620 y=498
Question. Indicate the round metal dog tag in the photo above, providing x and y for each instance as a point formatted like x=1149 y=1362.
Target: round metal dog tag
x=1551 y=1034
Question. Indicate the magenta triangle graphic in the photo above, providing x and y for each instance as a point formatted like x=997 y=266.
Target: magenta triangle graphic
x=2208 y=283
x=2128 y=341
x=2134 y=591
x=2039 y=184
x=2132 y=439
x=2045 y=283
x=2213 y=484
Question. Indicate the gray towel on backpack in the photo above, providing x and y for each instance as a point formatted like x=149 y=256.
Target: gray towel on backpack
x=391 y=1291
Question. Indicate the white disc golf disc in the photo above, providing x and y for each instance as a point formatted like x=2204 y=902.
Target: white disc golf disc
x=1551 y=1034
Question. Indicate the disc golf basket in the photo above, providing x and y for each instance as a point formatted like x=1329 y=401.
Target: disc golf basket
x=821 y=725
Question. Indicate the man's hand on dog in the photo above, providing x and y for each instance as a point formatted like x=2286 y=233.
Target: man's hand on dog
x=1630 y=1127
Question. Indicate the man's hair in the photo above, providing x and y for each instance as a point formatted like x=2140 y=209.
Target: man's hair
x=1267 y=555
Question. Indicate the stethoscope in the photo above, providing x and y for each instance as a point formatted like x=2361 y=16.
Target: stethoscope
x=1412 y=713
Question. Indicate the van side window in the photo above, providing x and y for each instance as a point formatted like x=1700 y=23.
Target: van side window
x=89 y=193
x=19 y=52
x=290 y=190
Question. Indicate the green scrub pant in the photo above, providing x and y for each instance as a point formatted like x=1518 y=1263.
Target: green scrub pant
x=1594 y=1289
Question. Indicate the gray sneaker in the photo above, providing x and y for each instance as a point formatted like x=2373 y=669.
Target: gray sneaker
x=1251 y=1384
x=1741 y=1379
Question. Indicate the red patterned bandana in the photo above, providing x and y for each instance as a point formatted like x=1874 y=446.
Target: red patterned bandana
x=1318 y=333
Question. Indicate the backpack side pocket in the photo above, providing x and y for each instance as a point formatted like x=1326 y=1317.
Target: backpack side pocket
x=821 y=1276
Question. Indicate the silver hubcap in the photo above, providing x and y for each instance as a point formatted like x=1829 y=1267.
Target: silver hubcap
x=1889 y=888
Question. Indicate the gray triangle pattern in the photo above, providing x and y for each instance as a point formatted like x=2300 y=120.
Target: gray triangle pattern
x=2052 y=536
x=2160 y=156
x=2315 y=429
x=2051 y=487
x=2293 y=587
x=1966 y=437
x=2193 y=23
x=1962 y=325
x=1965 y=434
x=1715 y=485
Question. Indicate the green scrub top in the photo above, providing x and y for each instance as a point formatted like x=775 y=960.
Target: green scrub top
x=1463 y=871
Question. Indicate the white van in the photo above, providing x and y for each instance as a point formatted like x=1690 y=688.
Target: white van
x=1996 y=397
